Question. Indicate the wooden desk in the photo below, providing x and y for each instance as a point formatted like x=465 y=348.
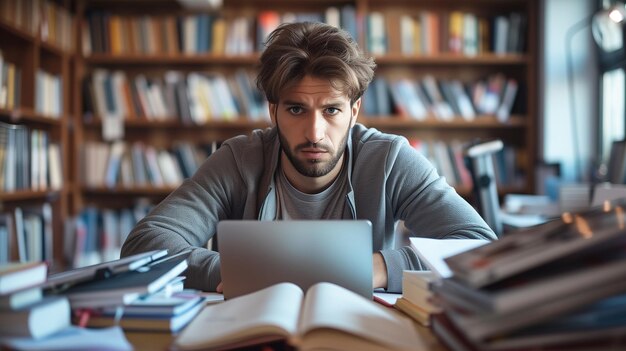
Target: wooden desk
x=162 y=341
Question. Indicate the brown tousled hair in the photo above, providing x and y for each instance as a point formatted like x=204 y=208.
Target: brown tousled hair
x=295 y=50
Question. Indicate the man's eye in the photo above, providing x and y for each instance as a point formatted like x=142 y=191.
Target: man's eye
x=332 y=111
x=296 y=110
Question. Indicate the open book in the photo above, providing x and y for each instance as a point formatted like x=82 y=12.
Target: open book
x=328 y=317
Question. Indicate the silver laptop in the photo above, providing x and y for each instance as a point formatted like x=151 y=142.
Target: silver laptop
x=258 y=254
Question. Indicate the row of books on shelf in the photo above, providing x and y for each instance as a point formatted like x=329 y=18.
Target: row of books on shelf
x=456 y=32
x=556 y=286
x=449 y=159
x=48 y=89
x=442 y=99
x=96 y=234
x=105 y=32
x=52 y=23
x=26 y=234
x=193 y=98
x=10 y=84
x=48 y=94
x=140 y=165
x=29 y=160
x=423 y=33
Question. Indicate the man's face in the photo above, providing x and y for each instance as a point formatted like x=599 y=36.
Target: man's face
x=313 y=121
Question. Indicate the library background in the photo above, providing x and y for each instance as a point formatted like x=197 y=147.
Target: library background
x=106 y=106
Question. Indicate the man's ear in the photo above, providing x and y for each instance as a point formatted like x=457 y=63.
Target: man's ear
x=273 y=109
x=355 y=112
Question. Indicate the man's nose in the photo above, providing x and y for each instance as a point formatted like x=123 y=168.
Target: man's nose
x=316 y=128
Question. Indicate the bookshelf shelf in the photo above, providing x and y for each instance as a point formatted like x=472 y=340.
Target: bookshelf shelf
x=179 y=60
x=15 y=33
x=514 y=122
x=51 y=48
x=134 y=191
x=27 y=195
x=24 y=115
x=453 y=59
x=237 y=123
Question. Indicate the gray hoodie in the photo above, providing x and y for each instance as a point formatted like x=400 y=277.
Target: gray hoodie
x=388 y=181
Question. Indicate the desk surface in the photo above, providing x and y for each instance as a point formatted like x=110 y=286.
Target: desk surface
x=162 y=341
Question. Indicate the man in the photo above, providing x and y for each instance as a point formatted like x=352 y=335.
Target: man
x=316 y=162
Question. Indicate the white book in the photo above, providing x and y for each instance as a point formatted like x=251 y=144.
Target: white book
x=332 y=16
x=113 y=165
x=118 y=79
x=510 y=91
x=189 y=35
x=440 y=107
x=16 y=276
x=198 y=114
x=97 y=80
x=501 y=35
x=463 y=100
x=433 y=252
x=43 y=160
x=470 y=34
x=376 y=33
x=20 y=298
x=169 y=169
x=39 y=320
x=55 y=166
x=34 y=159
x=152 y=164
x=407 y=35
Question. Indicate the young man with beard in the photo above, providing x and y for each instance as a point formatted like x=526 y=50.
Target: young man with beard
x=316 y=162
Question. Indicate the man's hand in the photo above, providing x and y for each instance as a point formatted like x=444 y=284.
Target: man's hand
x=219 y=288
x=379 y=276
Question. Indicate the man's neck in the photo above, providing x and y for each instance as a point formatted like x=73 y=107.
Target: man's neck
x=309 y=185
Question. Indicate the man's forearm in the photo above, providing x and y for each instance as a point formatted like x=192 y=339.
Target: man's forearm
x=379 y=276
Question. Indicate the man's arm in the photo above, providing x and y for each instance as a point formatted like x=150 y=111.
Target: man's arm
x=188 y=218
x=379 y=274
x=429 y=207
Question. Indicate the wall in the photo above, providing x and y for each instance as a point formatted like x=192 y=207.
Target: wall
x=556 y=128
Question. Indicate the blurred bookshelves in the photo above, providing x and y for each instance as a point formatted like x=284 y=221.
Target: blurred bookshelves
x=36 y=55
x=154 y=87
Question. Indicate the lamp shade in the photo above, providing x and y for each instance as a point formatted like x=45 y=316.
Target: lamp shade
x=607 y=27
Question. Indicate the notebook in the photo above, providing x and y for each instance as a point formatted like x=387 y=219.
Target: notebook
x=257 y=254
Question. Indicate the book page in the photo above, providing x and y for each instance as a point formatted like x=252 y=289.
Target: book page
x=432 y=252
x=328 y=306
x=273 y=311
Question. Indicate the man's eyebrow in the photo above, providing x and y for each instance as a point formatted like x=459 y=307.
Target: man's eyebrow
x=333 y=103
x=292 y=102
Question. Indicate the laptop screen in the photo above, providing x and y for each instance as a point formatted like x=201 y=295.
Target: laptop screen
x=258 y=254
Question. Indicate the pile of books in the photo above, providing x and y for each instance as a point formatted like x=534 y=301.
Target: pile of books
x=24 y=311
x=140 y=292
x=417 y=296
x=556 y=286
x=161 y=311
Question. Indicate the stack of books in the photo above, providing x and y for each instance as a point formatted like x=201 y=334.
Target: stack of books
x=141 y=292
x=417 y=296
x=555 y=286
x=161 y=312
x=24 y=312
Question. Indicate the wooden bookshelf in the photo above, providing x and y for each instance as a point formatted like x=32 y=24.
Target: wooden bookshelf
x=43 y=113
x=122 y=53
